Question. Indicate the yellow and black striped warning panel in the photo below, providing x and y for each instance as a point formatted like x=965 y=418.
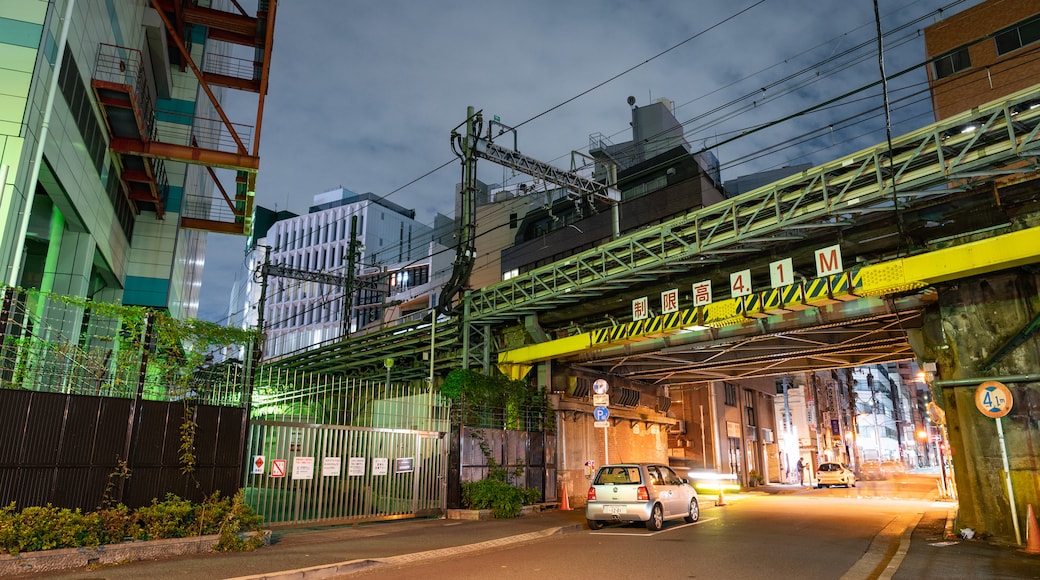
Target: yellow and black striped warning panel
x=773 y=301
x=751 y=306
x=646 y=327
x=793 y=297
x=847 y=285
x=818 y=291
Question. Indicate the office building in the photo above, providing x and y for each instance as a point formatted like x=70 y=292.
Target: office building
x=981 y=54
x=111 y=131
x=377 y=246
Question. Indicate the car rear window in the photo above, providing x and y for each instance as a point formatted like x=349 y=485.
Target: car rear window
x=621 y=474
x=830 y=467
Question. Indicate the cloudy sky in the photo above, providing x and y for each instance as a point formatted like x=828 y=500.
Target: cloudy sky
x=366 y=94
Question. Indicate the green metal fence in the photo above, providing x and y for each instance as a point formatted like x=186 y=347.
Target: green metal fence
x=327 y=449
x=69 y=345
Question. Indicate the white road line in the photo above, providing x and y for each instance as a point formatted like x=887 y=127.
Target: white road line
x=647 y=534
x=900 y=527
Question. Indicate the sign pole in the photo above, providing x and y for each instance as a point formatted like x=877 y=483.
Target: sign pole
x=1007 y=477
x=994 y=400
x=601 y=413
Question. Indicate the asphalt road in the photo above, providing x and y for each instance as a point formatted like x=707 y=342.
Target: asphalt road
x=793 y=536
x=886 y=529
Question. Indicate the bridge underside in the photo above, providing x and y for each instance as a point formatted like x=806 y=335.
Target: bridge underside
x=846 y=334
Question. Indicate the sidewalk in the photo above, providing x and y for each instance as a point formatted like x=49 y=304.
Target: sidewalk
x=328 y=551
x=343 y=549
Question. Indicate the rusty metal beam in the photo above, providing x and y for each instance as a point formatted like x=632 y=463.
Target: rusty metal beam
x=227 y=198
x=176 y=36
x=265 y=72
x=219 y=20
x=233 y=37
x=232 y=82
x=184 y=153
x=136 y=175
x=211 y=226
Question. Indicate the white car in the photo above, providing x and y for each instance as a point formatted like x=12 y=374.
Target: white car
x=640 y=492
x=828 y=474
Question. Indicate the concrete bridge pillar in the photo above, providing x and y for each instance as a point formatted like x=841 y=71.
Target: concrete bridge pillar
x=983 y=328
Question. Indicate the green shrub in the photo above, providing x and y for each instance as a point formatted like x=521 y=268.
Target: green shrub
x=47 y=528
x=495 y=492
x=232 y=518
x=504 y=500
x=173 y=518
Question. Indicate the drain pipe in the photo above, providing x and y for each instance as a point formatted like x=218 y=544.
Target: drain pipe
x=34 y=175
x=974 y=382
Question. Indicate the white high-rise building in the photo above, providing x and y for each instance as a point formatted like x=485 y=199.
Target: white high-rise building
x=391 y=246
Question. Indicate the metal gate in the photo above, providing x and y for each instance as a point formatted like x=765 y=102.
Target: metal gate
x=326 y=473
x=327 y=449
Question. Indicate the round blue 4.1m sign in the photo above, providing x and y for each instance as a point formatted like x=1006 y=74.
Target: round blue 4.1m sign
x=993 y=399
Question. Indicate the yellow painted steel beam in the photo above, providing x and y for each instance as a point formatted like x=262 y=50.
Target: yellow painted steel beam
x=972 y=259
x=547 y=350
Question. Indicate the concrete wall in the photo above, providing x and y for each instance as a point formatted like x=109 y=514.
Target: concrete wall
x=971 y=321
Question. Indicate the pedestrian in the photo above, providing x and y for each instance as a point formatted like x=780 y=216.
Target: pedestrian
x=801 y=471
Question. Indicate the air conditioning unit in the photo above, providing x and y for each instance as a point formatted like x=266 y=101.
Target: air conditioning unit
x=625 y=397
x=580 y=389
x=663 y=403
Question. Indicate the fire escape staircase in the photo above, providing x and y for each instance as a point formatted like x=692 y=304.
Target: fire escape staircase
x=141 y=143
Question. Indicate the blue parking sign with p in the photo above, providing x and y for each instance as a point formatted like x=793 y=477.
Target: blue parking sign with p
x=600 y=413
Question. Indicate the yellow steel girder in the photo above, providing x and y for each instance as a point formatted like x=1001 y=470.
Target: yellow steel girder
x=972 y=259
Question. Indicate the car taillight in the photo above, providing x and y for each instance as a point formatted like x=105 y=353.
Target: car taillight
x=642 y=494
x=592 y=494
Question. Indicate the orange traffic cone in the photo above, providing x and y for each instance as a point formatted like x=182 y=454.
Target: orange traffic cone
x=1032 y=533
x=565 y=504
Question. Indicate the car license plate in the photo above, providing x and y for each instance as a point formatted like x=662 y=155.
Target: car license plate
x=614 y=509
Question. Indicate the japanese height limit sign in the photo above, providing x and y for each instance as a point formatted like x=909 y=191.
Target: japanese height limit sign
x=993 y=399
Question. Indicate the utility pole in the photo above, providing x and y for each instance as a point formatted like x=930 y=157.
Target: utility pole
x=873 y=412
x=261 y=276
x=853 y=420
x=468 y=148
x=348 y=280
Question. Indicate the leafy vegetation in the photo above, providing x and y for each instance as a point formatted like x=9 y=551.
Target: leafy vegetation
x=495 y=401
x=48 y=528
x=497 y=492
x=128 y=351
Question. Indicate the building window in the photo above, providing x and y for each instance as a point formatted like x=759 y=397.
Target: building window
x=951 y=63
x=749 y=408
x=1021 y=35
x=731 y=394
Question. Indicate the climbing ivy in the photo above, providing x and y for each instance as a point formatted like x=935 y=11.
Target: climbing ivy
x=169 y=351
x=497 y=401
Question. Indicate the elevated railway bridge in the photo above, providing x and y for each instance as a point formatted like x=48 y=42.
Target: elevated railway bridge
x=938 y=237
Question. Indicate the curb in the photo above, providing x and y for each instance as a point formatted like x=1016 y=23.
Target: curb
x=951 y=515
x=108 y=554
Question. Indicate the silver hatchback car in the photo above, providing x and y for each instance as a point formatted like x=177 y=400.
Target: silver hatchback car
x=640 y=492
